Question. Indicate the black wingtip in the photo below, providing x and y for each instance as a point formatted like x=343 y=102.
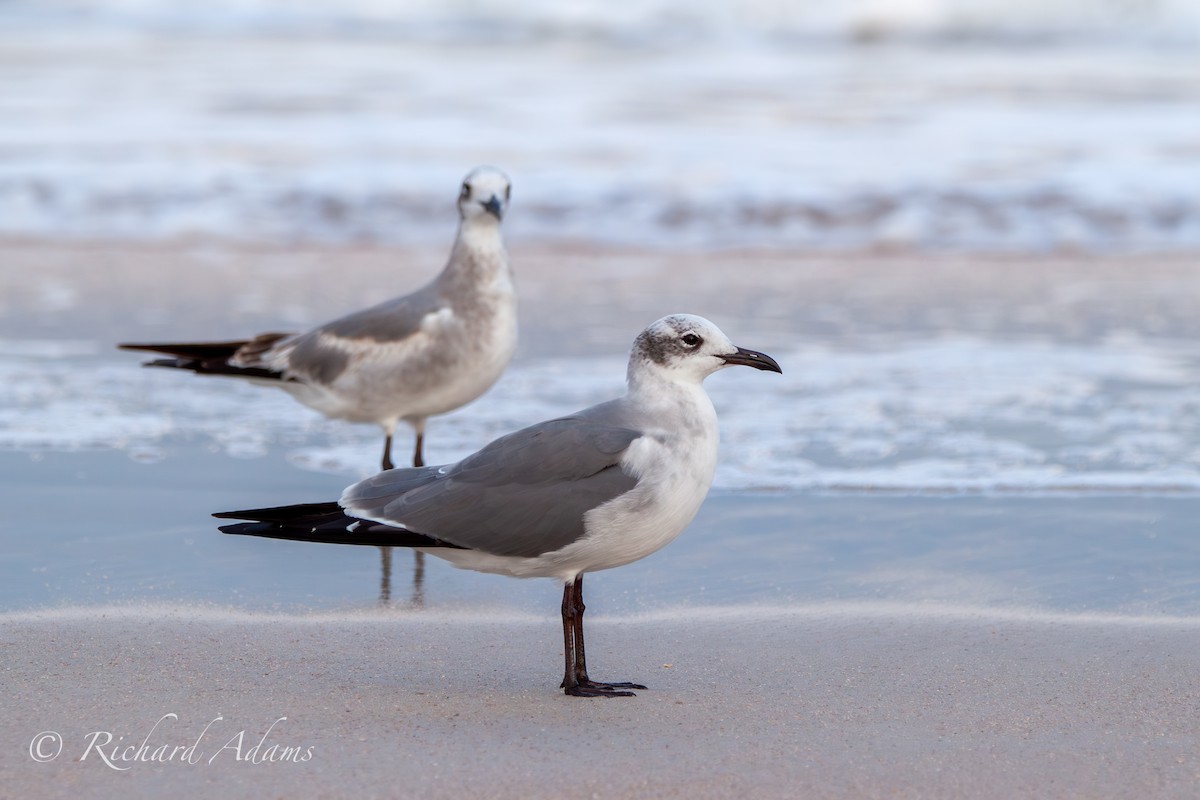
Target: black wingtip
x=346 y=530
x=292 y=513
x=242 y=528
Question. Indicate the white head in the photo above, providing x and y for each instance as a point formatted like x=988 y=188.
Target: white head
x=484 y=196
x=687 y=348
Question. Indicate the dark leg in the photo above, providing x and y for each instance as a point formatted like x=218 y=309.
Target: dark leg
x=568 y=618
x=418 y=458
x=577 y=623
x=387 y=453
x=418 y=588
x=575 y=678
x=385 y=553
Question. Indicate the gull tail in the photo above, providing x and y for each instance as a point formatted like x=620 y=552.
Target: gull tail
x=322 y=522
x=212 y=358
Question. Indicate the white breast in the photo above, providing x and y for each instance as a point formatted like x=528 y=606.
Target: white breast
x=675 y=469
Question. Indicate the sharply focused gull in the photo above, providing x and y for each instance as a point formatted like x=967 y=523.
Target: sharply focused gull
x=410 y=358
x=598 y=489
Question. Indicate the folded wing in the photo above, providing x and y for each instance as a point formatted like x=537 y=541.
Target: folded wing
x=523 y=495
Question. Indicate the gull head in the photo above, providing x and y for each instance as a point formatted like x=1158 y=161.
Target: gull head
x=485 y=194
x=684 y=347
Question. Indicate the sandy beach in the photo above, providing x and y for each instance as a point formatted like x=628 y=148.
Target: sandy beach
x=786 y=702
x=148 y=291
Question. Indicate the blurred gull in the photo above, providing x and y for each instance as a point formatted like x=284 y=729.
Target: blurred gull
x=410 y=358
x=599 y=489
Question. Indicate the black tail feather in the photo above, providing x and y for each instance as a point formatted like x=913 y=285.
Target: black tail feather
x=203 y=351
x=216 y=368
x=212 y=358
x=299 y=513
x=322 y=522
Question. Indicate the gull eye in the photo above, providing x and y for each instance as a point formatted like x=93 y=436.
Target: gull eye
x=465 y=193
x=507 y=193
x=691 y=339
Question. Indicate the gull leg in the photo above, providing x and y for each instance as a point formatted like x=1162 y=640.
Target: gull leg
x=387 y=452
x=570 y=680
x=385 y=553
x=418 y=457
x=418 y=583
x=575 y=680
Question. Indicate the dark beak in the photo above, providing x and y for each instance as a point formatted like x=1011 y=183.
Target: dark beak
x=752 y=358
x=493 y=207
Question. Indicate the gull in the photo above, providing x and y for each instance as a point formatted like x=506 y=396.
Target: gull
x=591 y=491
x=406 y=359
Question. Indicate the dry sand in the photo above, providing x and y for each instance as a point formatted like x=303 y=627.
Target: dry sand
x=112 y=292
x=849 y=702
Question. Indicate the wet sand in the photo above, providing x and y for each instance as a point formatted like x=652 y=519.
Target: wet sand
x=150 y=538
x=792 y=702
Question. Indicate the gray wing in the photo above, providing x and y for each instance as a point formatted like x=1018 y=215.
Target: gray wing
x=324 y=353
x=523 y=495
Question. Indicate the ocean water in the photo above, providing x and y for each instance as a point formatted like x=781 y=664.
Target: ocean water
x=98 y=530
x=909 y=124
x=957 y=415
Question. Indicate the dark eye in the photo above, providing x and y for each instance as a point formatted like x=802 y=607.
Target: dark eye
x=691 y=339
x=465 y=193
x=507 y=193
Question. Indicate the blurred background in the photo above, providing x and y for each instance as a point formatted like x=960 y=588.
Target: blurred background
x=968 y=230
x=994 y=125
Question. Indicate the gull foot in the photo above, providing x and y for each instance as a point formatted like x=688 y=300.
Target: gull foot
x=589 y=688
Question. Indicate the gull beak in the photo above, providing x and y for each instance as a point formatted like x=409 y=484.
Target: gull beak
x=752 y=358
x=494 y=207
